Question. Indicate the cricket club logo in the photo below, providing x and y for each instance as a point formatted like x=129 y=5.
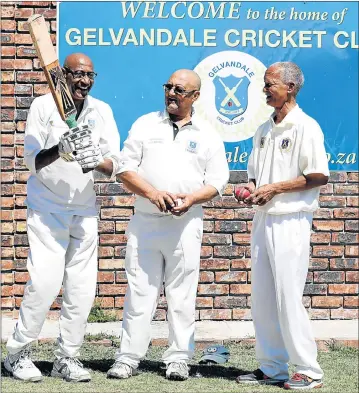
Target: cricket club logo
x=232 y=98
x=231 y=95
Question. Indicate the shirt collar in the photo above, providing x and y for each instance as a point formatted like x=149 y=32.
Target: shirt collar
x=164 y=116
x=290 y=119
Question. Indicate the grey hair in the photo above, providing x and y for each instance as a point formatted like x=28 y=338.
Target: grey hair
x=291 y=73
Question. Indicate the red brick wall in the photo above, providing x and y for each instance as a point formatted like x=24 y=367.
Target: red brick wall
x=224 y=288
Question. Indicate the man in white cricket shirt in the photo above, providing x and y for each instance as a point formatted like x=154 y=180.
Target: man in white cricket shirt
x=168 y=156
x=62 y=220
x=286 y=168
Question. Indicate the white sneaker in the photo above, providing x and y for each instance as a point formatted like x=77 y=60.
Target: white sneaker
x=21 y=366
x=121 y=370
x=177 y=371
x=70 y=369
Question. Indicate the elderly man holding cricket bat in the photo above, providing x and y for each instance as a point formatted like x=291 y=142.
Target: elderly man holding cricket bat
x=62 y=220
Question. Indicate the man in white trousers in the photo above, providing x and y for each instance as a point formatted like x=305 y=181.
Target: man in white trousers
x=286 y=168
x=62 y=220
x=174 y=162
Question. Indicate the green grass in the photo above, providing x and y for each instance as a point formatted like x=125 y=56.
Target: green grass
x=98 y=314
x=340 y=366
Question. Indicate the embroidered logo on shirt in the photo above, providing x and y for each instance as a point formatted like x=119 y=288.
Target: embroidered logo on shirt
x=91 y=123
x=286 y=144
x=192 y=147
x=263 y=141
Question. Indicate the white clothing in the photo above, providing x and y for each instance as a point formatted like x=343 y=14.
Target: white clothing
x=196 y=157
x=61 y=187
x=63 y=248
x=280 y=250
x=160 y=248
x=285 y=151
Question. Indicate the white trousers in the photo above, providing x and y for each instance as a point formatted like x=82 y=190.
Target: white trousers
x=161 y=249
x=63 y=249
x=280 y=259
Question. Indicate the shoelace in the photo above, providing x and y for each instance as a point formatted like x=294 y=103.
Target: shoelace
x=73 y=363
x=24 y=360
x=179 y=366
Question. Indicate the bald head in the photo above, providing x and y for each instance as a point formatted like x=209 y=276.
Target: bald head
x=187 y=78
x=77 y=59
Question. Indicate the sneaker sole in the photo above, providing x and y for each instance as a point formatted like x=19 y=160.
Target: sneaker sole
x=115 y=376
x=55 y=374
x=313 y=385
x=31 y=379
x=260 y=382
x=176 y=377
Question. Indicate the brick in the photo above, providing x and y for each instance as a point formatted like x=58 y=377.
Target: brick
x=7 y=12
x=240 y=289
x=338 y=177
x=6 y=265
x=230 y=251
x=206 y=277
x=7 y=76
x=40 y=90
x=121 y=277
x=218 y=214
x=7 y=189
x=113 y=239
x=120 y=251
x=119 y=302
x=30 y=76
x=243 y=315
x=23 y=39
x=231 y=277
x=7 y=227
x=121 y=226
x=213 y=289
x=21 y=114
x=230 y=302
x=320 y=238
x=8 y=126
x=24 y=102
x=22 y=177
x=346 y=213
x=7 y=240
x=21 y=252
x=206 y=252
x=20 y=214
x=351 y=251
x=7 y=202
x=345 y=238
x=352 y=225
x=7 y=51
x=20 y=189
x=344 y=264
x=7 y=302
x=230 y=226
x=214 y=264
x=216 y=239
x=23 y=13
x=47 y=13
x=112 y=289
x=328 y=251
x=6 y=215
x=106 y=277
x=240 y=264
x=323 y=214
x=244 y=214
x=22 y=277
x=7 y=278
x=352 y=277
x=315 y=314
x=315 y=289
x=343 y=289
x=343 y=314
x=327 y=301
x=127 y=200
x=318 y=263
x=20 y=201
x=329 y=277
x=111 y=264
x=329 y=225
x=8 y=102
x=106 y=227
x=327 y=189
x=7 y=38
x=21 y=226
x=204 y=302
x=351 y=302
x=346 y=189
x=7 y=114
x=353 y=177
x=242 y=238
x=217 y=315
x=117 y=213
x=208 y=226
x=7 y=90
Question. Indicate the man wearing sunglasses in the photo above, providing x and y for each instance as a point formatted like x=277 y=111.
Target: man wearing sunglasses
x=62 y=220
x=174 y=162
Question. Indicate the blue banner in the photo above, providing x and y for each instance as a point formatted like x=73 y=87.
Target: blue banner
x=137 y=45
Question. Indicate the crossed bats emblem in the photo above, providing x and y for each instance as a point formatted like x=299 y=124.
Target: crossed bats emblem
x=230 y=93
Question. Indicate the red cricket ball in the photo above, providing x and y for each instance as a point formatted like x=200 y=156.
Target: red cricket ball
x=242 y=193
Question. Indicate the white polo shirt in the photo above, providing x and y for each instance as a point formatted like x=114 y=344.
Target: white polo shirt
x=196 y=157
x=61 y=187
x=285 y=151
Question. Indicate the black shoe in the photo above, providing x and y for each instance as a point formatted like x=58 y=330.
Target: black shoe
x=302 y=382
x=258 y=377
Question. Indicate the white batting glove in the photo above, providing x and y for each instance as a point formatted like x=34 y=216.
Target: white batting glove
x=90 y=157
x=75 y=139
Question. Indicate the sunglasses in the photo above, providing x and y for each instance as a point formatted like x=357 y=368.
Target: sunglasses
x=81 y=74
x=177 y=89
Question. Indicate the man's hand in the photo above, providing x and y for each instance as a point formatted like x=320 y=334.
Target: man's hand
x=73 y=140
x=187 y=202
x=262 y=195
x=164 y=200
x=89 y=158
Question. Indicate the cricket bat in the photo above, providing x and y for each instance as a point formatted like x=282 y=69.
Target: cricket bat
x=52 y=70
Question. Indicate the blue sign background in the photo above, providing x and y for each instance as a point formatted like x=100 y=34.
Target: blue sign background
x=130 y=77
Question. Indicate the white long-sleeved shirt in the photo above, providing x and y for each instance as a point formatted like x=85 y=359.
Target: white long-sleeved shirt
x=196 y=157
x=285 y=151
x=61 y=187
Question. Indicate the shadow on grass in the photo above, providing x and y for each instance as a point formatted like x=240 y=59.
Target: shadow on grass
x=156 y=367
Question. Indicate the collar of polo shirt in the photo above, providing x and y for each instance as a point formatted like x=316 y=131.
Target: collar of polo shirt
x=291 y=118
x=164 y=116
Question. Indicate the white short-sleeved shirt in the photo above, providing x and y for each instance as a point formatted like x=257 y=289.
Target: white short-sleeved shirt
x=61 y=187
x=196 y=157
x=285 y=151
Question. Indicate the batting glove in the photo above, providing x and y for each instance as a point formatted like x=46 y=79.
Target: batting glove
x=90 y=157
x=75 y=139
